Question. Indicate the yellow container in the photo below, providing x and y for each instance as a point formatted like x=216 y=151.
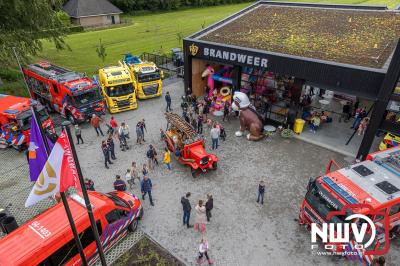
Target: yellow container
x=298 y=125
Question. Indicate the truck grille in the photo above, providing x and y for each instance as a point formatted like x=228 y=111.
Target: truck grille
x=312 y=216
x=150 y=89
x=123 y=103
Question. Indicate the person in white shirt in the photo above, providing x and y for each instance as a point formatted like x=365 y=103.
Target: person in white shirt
x=203 y=248
x=215 y=136
x=129 y=179
x=123 y=130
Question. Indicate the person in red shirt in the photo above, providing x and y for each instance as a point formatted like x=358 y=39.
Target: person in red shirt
x=113 y=124
x=95 y=122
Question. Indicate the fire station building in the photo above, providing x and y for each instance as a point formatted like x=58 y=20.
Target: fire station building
x=324 y=60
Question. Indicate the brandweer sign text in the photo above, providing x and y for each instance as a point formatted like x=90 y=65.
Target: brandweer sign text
x=236 y=57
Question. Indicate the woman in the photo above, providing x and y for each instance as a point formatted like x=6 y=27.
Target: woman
x=155 y=160
x=201 y=218
x=134 y=172
x=203 y=248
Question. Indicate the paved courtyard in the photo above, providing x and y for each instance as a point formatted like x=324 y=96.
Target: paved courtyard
x=241 y=232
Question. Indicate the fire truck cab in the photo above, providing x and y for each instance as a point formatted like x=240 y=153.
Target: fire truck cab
x=47 y=239
x=73 y=95
x=117 y=87
x=146 y=75
x=15 y=120
x=375 y=181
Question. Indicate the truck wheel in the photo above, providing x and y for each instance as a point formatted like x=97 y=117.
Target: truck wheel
x=193 y=173
x=214 y=166
x=132 y=227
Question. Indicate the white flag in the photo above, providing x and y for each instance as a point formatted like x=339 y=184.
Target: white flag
x=48 y=182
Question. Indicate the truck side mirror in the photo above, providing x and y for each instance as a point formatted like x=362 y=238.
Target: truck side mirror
x=162 y=74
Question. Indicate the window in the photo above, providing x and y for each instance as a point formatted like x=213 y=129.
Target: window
x=114 y=215
x=69 y=250
x=395 y=209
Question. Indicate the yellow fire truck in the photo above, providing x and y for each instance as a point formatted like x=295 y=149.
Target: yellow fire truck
x=146 y=75
x=118 y=88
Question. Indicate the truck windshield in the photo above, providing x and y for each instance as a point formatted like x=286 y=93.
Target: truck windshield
x=120 y=90
x=147 y=77
x=323 y=203
x=24 y=119
x=87 y=97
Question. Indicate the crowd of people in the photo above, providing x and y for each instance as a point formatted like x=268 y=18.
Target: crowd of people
x=195 y=112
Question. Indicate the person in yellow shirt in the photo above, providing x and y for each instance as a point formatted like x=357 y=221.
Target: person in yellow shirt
x=167 y=159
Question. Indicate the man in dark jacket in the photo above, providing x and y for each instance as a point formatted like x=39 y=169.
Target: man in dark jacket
x=110 y=144
x=106 y=153
x=209 y=206
x=186 y=209
x=168 y=100
x=119 y=184
x=146 y=187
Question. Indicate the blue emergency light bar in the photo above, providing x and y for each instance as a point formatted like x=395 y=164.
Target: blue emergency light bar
x=339 y=190
x=12 y=112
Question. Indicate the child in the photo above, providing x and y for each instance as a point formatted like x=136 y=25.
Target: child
x=145 y=170
x=261 y=191
x=203 y=248
x=162 y=135
x=129 y=179
x=167 y=158
x=363 y=125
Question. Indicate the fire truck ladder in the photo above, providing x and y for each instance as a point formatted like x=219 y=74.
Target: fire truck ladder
x=180 y=123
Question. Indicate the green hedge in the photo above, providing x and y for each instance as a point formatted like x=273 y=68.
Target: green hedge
x=128 y=6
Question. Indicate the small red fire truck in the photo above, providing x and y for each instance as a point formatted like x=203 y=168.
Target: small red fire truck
x=73 y=95
x=15 y=121
x=374 y=182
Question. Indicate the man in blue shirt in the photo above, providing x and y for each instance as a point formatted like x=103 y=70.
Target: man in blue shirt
x=146 y=186
x=119 y=184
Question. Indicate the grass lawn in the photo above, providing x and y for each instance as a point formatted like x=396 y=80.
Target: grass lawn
x=149 y=33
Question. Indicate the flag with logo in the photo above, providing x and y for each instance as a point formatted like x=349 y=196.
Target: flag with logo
x=37 y=155
x=58 y=174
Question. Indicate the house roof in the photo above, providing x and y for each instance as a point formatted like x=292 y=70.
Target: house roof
x=361 y=36
x=88 y=8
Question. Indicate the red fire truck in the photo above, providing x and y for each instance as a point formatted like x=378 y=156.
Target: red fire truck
x=374 y=182
x=15 y=121
x=73 y=95
x=47 y=239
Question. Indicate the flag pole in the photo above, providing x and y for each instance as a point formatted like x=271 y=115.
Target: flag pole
x=22 y=72
x=85 y=194
x=63 y=197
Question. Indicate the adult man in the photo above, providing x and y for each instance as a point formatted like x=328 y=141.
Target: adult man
x=95 y=122
x=146 y=187
x=186 y=209
x=123 y=133
x=110 y=144
x=106 y=153
x=214 y=136
x=168 y=100
x=143 y=128
x=209 y=206
x=150 y=156
x=119 y=184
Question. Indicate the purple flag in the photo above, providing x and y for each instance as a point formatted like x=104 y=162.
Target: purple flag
x=36 y=151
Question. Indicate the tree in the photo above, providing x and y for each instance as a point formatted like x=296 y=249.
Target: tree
x=24 y=24
x=101 y=51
